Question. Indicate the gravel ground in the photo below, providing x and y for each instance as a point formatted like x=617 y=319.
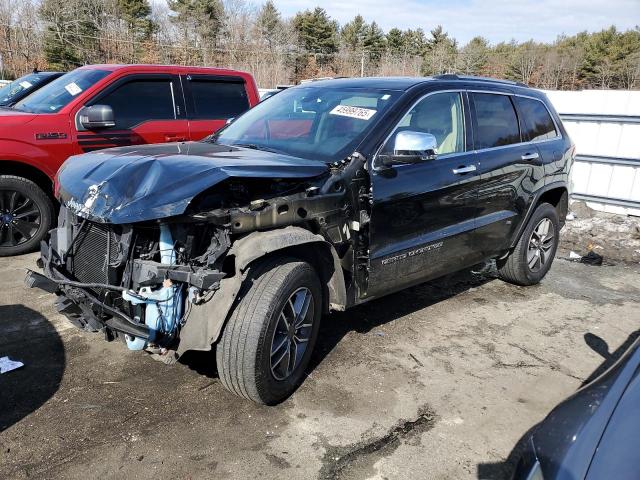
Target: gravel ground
x=439 y=381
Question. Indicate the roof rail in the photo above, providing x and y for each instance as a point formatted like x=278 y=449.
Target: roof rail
x=454 y=76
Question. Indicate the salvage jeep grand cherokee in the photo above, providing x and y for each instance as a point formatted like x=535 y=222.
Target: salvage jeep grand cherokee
x=328 y=195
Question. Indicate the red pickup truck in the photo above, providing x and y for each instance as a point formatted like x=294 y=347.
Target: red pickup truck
x=101 y=106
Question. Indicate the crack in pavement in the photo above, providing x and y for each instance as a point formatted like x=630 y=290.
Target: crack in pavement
x=553 y=366
x=364 y=454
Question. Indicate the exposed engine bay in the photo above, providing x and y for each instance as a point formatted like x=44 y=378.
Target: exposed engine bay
x=167 y=285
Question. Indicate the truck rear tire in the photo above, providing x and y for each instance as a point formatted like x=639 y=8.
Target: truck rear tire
x=533 y=255
x=267 y=343
x=26 y=213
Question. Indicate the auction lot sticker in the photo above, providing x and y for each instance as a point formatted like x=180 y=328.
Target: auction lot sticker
x=73 y=88
x=353 y=112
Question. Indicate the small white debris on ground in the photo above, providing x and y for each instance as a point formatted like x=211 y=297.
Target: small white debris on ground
x=6 y=364
x=615 y=237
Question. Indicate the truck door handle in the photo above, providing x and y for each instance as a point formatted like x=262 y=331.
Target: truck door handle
x=174 y=138
x=461 y=170
x=530 y=156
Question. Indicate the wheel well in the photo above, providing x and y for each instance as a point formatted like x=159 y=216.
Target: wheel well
x=29 y=172
x=319 y=256
x=559 y=198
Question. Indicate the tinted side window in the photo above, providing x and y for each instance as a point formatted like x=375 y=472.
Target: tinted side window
x=539 y=125
x=140 y=100
x=217 y=99
x=496 y=119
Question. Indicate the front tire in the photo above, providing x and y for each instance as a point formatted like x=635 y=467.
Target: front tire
x=533 y=255
x=267 y=343
x=26 y=213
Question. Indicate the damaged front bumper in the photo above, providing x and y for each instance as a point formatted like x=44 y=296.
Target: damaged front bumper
x=72 y=298
x=122 y=280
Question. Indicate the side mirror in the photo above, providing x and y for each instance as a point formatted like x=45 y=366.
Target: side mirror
x=96 y=117
x=412 y=147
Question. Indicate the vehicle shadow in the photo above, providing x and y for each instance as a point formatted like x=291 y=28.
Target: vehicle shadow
x=28 y=337
x=366 y=317
x=504 y=470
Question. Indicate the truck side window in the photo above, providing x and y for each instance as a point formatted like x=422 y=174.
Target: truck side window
x=140 y=100
x=217 y=99
x=540 y=126
x=496 y=120
x=439 y=114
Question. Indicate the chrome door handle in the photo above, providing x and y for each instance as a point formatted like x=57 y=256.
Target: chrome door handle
x=530 y=156
x=460 y=170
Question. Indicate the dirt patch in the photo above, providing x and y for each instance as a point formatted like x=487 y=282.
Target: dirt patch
x=615 y=237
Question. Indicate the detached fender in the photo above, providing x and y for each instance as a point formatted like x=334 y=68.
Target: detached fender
x=204 y=322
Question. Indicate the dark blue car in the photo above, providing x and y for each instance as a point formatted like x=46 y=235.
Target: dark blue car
x=595 y=433
x=15 y=91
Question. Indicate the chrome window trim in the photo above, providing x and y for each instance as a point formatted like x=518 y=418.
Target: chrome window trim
x=374 y=162
x=173 y=101
x=558 y=136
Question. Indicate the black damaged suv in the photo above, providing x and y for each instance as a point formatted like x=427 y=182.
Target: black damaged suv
x=326 y=196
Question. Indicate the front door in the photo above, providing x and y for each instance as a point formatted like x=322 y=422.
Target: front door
x=146 y=108
x=423 y=214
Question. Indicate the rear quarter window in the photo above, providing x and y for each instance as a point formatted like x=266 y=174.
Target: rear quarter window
x=217 y=99
x=538 y=122
x=496 y=121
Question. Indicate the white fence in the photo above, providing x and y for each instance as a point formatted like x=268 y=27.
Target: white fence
x=605 y=125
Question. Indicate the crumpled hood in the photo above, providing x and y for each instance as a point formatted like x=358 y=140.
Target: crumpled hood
x=135 y=184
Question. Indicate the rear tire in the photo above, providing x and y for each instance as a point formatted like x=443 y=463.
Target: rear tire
x=26 y=214
x=256 y=336
x=533 y=255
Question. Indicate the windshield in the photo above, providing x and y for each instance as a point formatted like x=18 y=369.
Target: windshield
x=315 y=123
x=20 y=87
x=54 y=96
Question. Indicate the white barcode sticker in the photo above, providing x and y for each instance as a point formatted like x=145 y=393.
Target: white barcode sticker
x=353 y=112
x=73 y=88
x=26 y=85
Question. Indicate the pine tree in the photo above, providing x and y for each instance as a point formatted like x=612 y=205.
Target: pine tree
x=440 y=55
x=474 y=56
x=374 y=41
x=396 y=42
x=72 y=34
x=316 y=31
x=201 y=21
x=353 y=33
x=136 y=15
x=269 y=24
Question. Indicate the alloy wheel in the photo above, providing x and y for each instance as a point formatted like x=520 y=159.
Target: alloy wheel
x=540 y=245
x=20 y=218
x=292 y=333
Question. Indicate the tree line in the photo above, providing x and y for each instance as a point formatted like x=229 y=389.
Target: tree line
x=63 y=34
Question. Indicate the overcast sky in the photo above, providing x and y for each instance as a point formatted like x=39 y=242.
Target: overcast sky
x=497 y=20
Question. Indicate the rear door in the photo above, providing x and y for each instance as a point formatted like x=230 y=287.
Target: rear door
x=510 y=168
x=148 y=108
x=540 y=128
x=212 y=100
x=423 y=214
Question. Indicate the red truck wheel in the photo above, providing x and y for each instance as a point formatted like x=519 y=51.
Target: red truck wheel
x=26 y=213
